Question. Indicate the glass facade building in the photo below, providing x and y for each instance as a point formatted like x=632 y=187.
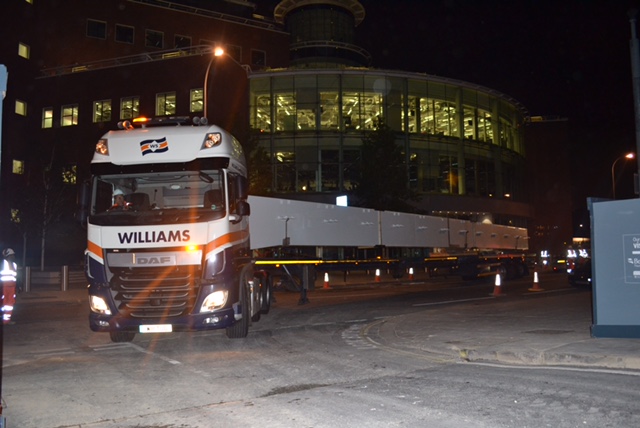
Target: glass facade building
x=458 y=138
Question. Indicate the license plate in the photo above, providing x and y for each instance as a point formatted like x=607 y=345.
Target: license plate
x=156 y=328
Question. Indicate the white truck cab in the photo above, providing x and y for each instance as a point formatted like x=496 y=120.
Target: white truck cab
x=175 y=254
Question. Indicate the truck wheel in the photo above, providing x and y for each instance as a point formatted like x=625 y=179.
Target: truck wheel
x=258 y=286
x=266 y=294
x=240 y=329
x=502 y=271
x=121 y=336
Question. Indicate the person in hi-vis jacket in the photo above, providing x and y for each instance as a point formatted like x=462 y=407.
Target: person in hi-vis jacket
x=8 y=276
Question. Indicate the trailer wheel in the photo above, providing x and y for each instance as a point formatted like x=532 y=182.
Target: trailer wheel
x=266 y=294
x=257 y=281
x=121 y=336
x=240 y=329
x=502 y=271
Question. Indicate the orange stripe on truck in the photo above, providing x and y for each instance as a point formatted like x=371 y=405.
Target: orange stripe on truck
x=94 y=248
x=227 y=239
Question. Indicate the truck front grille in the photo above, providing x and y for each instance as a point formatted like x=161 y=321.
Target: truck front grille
x=155 y=292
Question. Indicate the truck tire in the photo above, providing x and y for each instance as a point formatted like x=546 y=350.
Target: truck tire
x=121 y=336
x=266 y=293
x=502 y=271
x=257 y=286
x=240 y=329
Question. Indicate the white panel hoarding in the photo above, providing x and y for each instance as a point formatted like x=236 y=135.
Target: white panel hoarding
x=318 y=224
x=309 y=223
x=413 y=230
x=482 y=235
x=459 y=231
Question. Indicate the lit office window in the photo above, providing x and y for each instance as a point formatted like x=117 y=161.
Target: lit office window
x=196 y=100
x=96 y=29
x=411 y=119
x=469 y=123
x=129 y=107
x=124 y=34
x=69 y=174
x=47 y=117
x=17 y=167
x=15 y=215
x=329 y=110
x=362 y=110
x=445 y=118
x=69 y=115
x=485 y=130
x=438 y=117
x=24 y=50
x=166 y=104
x=285 y=112
x=261 y=105
x=21 y=108
x=101 y=111
x=261 y=113
x=154 y=39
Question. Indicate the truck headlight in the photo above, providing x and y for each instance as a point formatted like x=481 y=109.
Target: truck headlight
x=99 y=305
x=213 y=301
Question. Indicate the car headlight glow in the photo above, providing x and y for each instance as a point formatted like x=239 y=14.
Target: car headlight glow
x=99 y=305
x=214 y=301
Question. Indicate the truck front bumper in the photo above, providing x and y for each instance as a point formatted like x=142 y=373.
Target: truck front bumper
x=222 y=318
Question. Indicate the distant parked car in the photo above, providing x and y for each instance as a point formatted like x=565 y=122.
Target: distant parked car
x=580 y=273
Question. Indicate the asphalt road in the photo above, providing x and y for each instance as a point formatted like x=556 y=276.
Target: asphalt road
x=301 y=365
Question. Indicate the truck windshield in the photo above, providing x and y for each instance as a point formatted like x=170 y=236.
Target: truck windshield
x=181 y=193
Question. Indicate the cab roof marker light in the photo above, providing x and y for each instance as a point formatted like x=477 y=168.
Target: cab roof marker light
x=200 y=121
x=212 y=139
x=125 y=124
x=102 y=147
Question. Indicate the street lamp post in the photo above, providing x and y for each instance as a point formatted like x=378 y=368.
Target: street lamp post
x=216 y=53
x=629 y=155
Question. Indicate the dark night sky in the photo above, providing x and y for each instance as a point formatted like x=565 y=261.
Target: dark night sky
x=566 y=58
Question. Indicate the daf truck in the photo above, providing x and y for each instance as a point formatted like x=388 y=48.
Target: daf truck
x=175 y=255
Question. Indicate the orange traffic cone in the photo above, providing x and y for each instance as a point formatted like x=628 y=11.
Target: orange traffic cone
x=497 y=288
x=536 y=284
x=410 y=274
x=326 y=281
x=377 y=275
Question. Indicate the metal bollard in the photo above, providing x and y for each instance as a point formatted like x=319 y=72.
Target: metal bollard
x=64 y=278
x=27 y=279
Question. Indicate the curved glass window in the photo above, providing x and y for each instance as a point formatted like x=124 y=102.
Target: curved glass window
x=459 y=140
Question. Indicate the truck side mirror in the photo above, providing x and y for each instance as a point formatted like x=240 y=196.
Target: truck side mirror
x=242 y=187
x=243 y=208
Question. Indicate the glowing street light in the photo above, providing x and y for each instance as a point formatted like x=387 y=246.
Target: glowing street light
x=629 y=155
x=216 y=53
